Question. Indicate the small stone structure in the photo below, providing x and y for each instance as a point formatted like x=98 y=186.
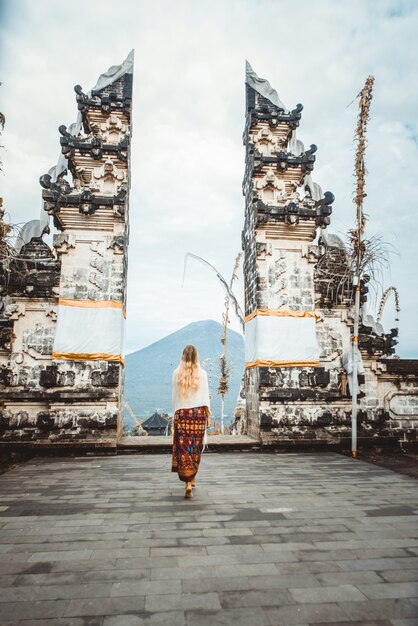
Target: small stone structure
x=61 y=321
x=299 y=297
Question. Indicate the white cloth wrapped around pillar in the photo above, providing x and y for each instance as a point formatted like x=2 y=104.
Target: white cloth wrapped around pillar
x=89 y=330
x=348 y=365
x=276 y=338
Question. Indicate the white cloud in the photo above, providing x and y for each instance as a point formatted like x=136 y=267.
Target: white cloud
x=187 y=152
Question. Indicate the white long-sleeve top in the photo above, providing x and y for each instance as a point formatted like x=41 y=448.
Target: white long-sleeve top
x=195 y=397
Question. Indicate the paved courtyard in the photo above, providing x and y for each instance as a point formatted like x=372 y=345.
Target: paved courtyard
x=268 y=539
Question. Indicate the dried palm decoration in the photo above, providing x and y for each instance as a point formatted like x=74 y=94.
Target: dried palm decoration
x=229 y=293
x=367 y=256
x=357 y=245
x=383 y=301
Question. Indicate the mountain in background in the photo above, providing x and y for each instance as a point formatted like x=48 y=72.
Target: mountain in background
x=148 y=372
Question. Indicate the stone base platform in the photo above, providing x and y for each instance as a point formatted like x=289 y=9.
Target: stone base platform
x=216 y=443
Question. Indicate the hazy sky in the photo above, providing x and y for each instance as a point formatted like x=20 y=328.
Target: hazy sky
x=188 y=118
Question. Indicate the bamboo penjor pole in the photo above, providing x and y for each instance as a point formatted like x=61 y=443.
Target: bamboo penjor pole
x=365 y=98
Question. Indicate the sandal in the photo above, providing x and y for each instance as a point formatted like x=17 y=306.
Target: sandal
x=188 y=493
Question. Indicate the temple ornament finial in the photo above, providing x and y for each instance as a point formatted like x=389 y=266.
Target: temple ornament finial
x=263 y=87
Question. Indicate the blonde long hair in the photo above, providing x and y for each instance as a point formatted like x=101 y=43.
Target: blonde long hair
x=188 y=375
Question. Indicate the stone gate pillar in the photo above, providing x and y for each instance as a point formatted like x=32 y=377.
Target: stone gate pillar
x=284 y=208
x=62 y=359
x=92 y=215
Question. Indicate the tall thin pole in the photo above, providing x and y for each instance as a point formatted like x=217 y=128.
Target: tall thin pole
x=222 y=414
x=365 y=98
x=224 y=370
x=355 y=370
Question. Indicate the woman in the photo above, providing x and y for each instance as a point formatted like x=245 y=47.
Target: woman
x=191 y=410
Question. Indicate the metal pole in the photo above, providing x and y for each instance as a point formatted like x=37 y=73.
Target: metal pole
x=354 y=390
x=222 y=415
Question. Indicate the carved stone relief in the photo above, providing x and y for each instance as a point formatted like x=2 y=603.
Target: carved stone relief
x=113 y=129
x=107 y=179
x=38 y=343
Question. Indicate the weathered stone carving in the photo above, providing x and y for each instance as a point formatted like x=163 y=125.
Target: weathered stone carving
x=34 y=272
x=38 y=342
x=285 y=273
x=71 y=399
x=107 y=178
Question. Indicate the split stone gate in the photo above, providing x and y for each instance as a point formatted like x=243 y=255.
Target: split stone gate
x=63 y=309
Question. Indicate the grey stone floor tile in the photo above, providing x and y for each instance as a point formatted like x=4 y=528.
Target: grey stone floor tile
x=74 y=566
x=251 y=569
x=40 y=610
x=119 y=553
x=67 y=555
x=408 y=621
x=180 y=551
x=115 y=575
x=378 y=622
x=227 y=532
x=336 y=593
x=371 y=564
x=204 y=585
x=235 y=549
x=378 y=609
x=283 y=546
x=313 y=567
x=204 y=541
x=12 y=558
x=169 y=618
x=198 y=525
x=325 y=555
x=50 y=578
x=203 y=561
x=268 y=556
x=383 y=553
x=166 y=573
x=65 y=621
x=399 y=575
x=228 y=617
x=105 y=606
x=54 y=592
x=350 y=578
x=390 y=590
x=183 y=601
x=7 y=581
x=305 y=613
x=147 y=562
x=239 y=583
x=259 y=598
x=145 y=587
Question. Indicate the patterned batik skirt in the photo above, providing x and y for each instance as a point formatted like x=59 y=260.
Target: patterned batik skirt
x=188 y=433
